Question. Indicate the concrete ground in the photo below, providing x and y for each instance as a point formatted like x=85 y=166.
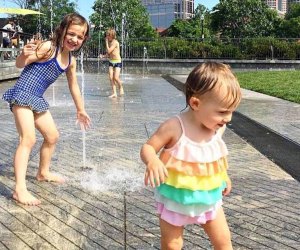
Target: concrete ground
x=104 y=204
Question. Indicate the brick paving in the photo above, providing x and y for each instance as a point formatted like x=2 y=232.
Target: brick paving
x=104 y=204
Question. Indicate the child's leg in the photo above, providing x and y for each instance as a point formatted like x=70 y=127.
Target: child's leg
x=112 y=82
x=45 y=124
x=171 y=236
x=24 y=119
x=218 y=232
x=117 y=79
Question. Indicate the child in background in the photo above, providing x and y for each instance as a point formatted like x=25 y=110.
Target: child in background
x=190 y=175
x=115 y=62
x=44 y=62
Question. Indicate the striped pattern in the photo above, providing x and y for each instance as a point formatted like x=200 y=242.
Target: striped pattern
x=197 y=175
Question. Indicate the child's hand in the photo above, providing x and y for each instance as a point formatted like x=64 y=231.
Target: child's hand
x=29 y=49
x=155 y=173
x=84 y=120
x=227 y=190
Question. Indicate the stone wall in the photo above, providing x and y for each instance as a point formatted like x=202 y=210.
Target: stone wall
x=8 y=70
x=184 y=66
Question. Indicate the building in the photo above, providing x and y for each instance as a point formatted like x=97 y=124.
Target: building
x=163 y=12
x=279 y=5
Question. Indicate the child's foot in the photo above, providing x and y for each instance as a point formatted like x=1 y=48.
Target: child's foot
x=113 y=96
x=121 y=91
x=50 y=178
x=26 y=198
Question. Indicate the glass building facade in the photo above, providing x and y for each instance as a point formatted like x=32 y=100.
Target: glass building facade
x=163 y=12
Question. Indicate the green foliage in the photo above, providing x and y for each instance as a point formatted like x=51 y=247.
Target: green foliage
x=269 y=48
x=35 y=23
x=293 y=11
x=183 y=28
x=192 y=28
x=244 y=18
x=136 y=23
x=258 y=48
x=290 y=27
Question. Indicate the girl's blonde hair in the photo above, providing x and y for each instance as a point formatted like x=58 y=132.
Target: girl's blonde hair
x=208 y=76
x=112 y=33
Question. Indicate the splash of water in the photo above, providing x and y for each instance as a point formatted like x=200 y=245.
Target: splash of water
x=51 y=18
x=51 y=34
x=82 y=93
x=112 y=13
x=114 y=179
x=123 y=43
x=145 y=60
x=39 y=27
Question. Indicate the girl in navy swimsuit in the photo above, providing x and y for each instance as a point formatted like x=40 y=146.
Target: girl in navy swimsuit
x=43 y=63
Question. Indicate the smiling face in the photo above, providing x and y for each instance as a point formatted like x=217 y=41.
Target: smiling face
x=75 y=36
x=213 y=93
x=213 y=109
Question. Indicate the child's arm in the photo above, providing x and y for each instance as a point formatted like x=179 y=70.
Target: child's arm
x=82 y=116
x=103 y=55
x=112 y=46
x=227 y=190
x=165 y=136
x=30 y=53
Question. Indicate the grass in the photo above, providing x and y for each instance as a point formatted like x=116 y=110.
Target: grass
x=281 y=84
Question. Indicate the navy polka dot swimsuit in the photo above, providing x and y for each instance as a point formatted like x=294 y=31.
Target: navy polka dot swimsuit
x=32 y=84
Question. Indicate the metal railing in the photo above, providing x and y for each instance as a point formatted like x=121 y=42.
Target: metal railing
x=16 y=43
x=265 y=48
x=261 y=48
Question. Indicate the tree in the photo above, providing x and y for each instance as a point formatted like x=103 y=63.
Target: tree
x=129 y=16
x=293 y=12
x=183 y=29
x=290 y=26
x=244 y=18
x=191 y=28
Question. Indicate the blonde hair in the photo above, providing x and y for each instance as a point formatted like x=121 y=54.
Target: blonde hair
x=112 y=33
x=210 y=75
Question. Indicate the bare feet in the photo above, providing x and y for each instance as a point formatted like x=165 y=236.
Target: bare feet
x=25 y=198
x=121 y=91
x=50 y=178
x=113 y=96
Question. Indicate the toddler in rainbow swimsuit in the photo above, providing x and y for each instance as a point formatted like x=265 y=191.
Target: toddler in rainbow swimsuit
x=190 y=174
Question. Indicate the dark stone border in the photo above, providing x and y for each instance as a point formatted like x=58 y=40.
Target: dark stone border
x=279 y=149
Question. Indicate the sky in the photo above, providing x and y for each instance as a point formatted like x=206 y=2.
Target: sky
x=85 y=6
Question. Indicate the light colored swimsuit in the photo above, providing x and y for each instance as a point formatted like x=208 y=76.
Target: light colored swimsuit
x=32 y=84
x=197 y=172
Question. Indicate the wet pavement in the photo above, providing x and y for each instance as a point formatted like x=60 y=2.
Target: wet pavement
x=104 y=204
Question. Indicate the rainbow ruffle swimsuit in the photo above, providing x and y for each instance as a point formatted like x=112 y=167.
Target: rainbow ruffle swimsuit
x=197 y=174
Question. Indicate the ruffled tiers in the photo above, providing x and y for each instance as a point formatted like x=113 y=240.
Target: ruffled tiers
x=22 y=98
x=187 y=150
x=179 y=180
x=189 y=197
x=188 y=210
x=177 y=219
x=194 y=168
